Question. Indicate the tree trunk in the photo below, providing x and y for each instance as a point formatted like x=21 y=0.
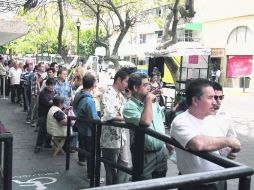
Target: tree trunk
x=62 y=50
x=114 y=55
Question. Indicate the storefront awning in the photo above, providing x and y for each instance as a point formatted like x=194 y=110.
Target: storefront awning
x=193 y=26
x=11 y=30
x=181 y=49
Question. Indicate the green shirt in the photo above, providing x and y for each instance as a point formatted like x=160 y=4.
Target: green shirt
x=132 y=113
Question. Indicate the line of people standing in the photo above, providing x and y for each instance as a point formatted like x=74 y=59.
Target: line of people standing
x=198 y=128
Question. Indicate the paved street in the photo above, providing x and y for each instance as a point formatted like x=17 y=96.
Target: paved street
x=42 y=171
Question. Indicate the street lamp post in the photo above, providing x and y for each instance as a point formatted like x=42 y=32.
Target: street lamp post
x=78 y=28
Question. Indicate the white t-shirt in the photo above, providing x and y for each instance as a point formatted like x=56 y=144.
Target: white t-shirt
x=15 y=75
x=218 y=72
x=184 y=127
x=224 y=122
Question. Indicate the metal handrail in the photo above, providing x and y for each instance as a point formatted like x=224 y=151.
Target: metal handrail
x=184 y=180
x=7 y=140
x=233 y=168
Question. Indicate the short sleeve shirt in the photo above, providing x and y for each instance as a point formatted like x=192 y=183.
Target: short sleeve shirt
x=112 y=103
x=65 y=90
x=184 y=127
x=15 y=75
x=132 y=113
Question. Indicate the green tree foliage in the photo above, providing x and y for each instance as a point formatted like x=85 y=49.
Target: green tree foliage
x=115 y=17
x=88 y=41
x=42 y=35
x=3 y=50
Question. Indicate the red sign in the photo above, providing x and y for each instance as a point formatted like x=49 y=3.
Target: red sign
x=239 y=66
x=193 y=59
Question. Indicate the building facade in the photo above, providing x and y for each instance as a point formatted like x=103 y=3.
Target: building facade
x=228 y=29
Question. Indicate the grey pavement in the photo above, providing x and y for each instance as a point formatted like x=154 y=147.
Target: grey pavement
x=42 y=171
x=37 y=171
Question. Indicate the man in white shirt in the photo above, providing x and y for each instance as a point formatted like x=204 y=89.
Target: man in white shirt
x=195 y=131
x=223 y=119
x=218 y=73
x=113 y=139
x=15 y=73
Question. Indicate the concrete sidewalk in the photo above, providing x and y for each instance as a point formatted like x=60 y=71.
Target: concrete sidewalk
x=37 y=171
x=239 y=91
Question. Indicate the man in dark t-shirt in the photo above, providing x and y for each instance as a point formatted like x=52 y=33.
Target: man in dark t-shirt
x=45 y=102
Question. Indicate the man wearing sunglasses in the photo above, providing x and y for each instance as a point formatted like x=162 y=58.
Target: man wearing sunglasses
x=224 y=120
x=199 y=129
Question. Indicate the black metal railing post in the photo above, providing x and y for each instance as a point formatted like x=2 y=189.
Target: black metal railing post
x=1 y=153
x=67 y=165
x=244 y=183
x=138 y=155
x=98 y=155
x=7 y=162
x=232 y=170
x=92 y=156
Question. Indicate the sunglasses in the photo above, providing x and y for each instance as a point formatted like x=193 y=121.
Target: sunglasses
x=220 y=97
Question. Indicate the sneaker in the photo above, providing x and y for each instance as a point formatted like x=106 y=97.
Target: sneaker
x=81 y=163
x=28 y=121
x=37 y=149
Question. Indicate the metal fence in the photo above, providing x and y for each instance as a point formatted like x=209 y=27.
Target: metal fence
x=232 y=169
x=6 y=145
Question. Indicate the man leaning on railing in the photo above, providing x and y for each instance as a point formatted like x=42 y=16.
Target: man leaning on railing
x=142 y=110
x=195 y=131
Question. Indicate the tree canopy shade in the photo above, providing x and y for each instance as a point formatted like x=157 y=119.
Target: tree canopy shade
x=115 y=18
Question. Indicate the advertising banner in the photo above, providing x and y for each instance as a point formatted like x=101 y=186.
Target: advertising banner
x=239 y=66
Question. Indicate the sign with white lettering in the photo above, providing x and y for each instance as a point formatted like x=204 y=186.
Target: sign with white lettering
x=239 y=66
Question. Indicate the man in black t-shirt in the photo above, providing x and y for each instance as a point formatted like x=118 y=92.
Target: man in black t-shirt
x=45 y=102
